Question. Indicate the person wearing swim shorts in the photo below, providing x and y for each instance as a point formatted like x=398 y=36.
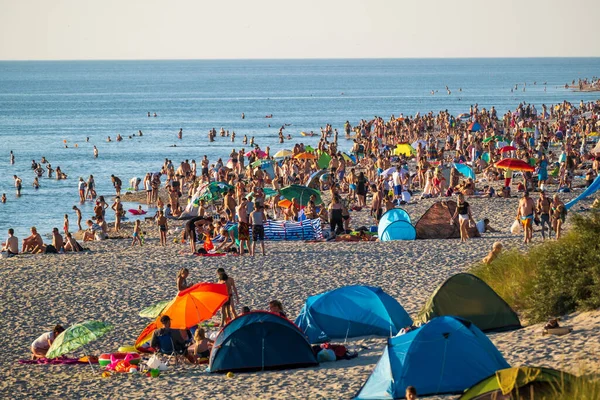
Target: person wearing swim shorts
x=257 y=219
x=525 y=214
x=543 y=210
x=163 y=226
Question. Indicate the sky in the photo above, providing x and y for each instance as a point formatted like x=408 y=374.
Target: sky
x=283 y=29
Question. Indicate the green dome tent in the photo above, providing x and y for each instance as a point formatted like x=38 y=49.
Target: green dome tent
x=519 y=383
x=467 y=296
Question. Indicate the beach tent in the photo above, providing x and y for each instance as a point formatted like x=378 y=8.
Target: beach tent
x=466 y=296
x=465 y=170
x=351 y=311
x=593 y=188
x=444 y=356
x=474 y=127
x=404 y=149
x=395 y=225
x=313 y=179
x=519 y=383
x=434 y=224
x=259 y=341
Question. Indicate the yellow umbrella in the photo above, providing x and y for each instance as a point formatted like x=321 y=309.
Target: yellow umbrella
x=304 y=156
x=347 y=157
x=404 y=149
x=283 y=153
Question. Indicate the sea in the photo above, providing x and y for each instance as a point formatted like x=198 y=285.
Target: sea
x=61 y=109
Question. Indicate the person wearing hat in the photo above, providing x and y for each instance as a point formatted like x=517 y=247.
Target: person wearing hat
x=178 y=341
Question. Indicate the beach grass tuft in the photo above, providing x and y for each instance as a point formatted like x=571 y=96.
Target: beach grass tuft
x=553 y=278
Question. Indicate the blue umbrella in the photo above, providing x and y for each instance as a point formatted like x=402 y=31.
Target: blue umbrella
x=465 y=170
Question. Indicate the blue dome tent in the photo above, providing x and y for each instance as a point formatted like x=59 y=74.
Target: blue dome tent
x=395 y=225
x=259 y=341
x=351 y=311
x=445 y=356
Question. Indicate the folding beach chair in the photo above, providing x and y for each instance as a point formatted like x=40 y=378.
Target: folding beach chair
x=167 y=347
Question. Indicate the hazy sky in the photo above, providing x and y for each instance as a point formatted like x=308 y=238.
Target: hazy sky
x=200 y=29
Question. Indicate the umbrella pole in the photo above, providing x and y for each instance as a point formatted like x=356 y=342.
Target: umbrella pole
x=89 y=361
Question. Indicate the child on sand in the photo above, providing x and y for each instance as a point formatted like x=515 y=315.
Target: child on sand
x=136 y=233
x=41 y=345
x=202 y=344
x=66 y=224
x=163 y=227
x=492 y=255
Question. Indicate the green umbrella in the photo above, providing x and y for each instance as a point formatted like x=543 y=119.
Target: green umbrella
x=301 y=194
x=213 y=190
x=267 y=191
x=528 y=130
x=155 y=310
x=309 y=149
x=76 y=336
x=492 y=138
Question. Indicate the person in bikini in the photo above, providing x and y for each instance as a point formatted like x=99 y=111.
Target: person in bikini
x=526 y=214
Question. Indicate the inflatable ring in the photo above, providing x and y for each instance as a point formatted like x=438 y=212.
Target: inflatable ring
x=104 y=359
x=127 y=349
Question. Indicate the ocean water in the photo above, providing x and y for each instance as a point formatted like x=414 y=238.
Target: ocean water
x=45 y=104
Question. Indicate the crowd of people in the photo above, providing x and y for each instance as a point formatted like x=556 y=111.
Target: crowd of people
x=556 y=140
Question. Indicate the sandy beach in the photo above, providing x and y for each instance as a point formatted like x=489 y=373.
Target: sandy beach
x=113 y=282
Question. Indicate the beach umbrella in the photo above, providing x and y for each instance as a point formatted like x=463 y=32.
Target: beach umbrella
x=77 y=336
x=464 y=116
x=257 y=152
x=229 y=164
x=528 y=130
x=309 y=148
x=486 y=157
x=389 y=171
x=323 y=161
x=349 y=157
x=195 y=304
x=404 y=149
x=305 y=156
x=301 y=194
x=146 y=335
x=313 y=179
x=423 y=143
x=487 y=140
x=285 y=203
x=465 y=170
x=213 y=190
x=474 y=127
x=508 y=148
x=283 y=154
x=515 y=165
x=267 y=191
x=154 y=310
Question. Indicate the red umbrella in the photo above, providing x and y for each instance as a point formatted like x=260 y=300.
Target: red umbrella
x=515 y=165
x=508 y=148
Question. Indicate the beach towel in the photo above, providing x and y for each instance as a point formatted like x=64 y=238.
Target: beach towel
x=58 y=361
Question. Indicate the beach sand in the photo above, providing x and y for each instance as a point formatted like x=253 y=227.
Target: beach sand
x=114 y=282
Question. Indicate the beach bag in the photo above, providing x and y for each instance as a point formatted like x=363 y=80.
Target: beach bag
x=51 y=249
x=515 y=228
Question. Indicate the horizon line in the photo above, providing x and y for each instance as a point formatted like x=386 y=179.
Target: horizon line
x=292 y=59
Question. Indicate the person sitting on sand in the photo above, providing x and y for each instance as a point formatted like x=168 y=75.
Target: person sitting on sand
x=33 y=243
x=72 y=244
x=42 y=344
x=178 y=341
x=182 y=283
x=276 y=307
x=11 y=246
x=94 y=232
x=202 y=345
x=492 y=255
x=57 y=240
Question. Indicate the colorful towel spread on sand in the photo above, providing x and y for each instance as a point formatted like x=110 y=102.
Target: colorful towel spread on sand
x=57 y=361
x=309 y=229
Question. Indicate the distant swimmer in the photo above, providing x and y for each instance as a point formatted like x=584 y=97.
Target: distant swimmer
x=460 y=89
x=140 y=133
x=243 y=116
x=109 y=140
x=289 y=137
x=44 y=161
x=523 y=89
x=432 y=92
x=95 y=152
x=449 y=92
x=12 y=157
x=3 y=198
x=87 y=139
x=155 y=115
x=269 y=116
x=148 y=113
x=180 y=134
x=18 y=184
x=119 y=137
x=245 y=141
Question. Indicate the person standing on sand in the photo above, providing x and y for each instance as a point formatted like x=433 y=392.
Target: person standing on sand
x=257 y=219
x=559 y=215
x=228 y=312
x=117 y=183
x=78 y=213
x=163 y=227
x=118 y=209
x=525 y=215
x=376 y=202
x=543 y=210
x=18 y=184
x=243 y=225
x=136 y=233
x=463 y=212
x=182 y=282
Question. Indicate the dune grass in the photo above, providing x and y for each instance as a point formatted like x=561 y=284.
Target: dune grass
x=553 y=278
